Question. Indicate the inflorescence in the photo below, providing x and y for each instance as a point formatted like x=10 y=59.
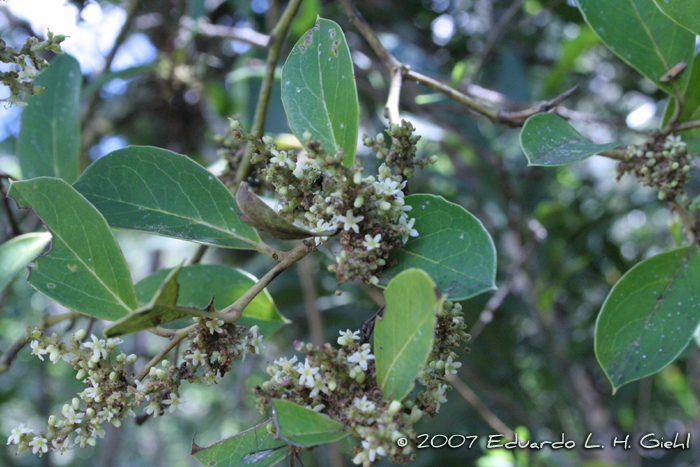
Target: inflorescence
x=342 y=383
x=112 y=393
x=319 y=193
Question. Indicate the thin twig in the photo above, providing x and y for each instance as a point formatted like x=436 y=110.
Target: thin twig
x=14 y=227
x=199 y=254
x=391 y=111
x=174 y=341
x=686 y=219
x=474 y=400
x=689 y=125
x=233 y=312
x=493 y=36
x=367 y=32
x=310 y=294
x=48 y=321
x=247 y=35
x=275 y=46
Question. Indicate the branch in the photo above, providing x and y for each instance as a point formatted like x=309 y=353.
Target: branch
x=391 y=111
x=174 y=340
x=474 y=400
x=247 y=35
x=48 y=321
x=310 y=294
x=232 y=313
x=389 y=61
x=275 y=43
x=689 y=125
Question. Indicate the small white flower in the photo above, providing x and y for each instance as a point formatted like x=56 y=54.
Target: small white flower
x=112 y=342
x=98 y=347
x=214 y=325
x=175 y=402
x=17 y=433
x=387 y=187
x=71 y=417
x=98 y=431
x=451 y=367
x=350 y=221
x=372 y=451
x=346 y=337
x=256 y=339
x=197 y=357
x=38 y=349
x=372 y=243
x=281 y=158
x=361 y=357
x=363 y=404
x=307 y=373
x=39 y=444
x=285 y=363
x=154 y=407
x=409 y=231
x=673 y=142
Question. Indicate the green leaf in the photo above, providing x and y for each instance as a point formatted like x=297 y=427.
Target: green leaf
x=199 y=283
x=16 y=253
x=318 y=89
x=549 y=140
x=303 y=427
x=49 y=136
x=161 y=192
x=258 y=214
x=452 y=247
x=649 y=316
x=403 y=337
x=84 y=270
x=161 y=309
x=641 y=35
x=691 y=107
x=242 y=449
x=684 y=12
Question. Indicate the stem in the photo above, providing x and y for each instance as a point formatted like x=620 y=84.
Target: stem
x=232 y=313
x=174 y=340
x=391 y=111
x=201 y=249
x=367 y=32
x=686 y=219
x=310 y=294
x=689 y=125
x=48 y=321
x=275 y=43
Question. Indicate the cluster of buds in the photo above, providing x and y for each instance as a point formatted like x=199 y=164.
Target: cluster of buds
x=27 y=65
x=660 y=163
x=319 y=193
x=402 y=154
x=112 y=393
x=342 y=383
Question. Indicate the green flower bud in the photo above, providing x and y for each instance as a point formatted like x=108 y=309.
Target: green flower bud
x=52 y=420
x=90 y=412
x=81 y=374
x=80 y=335
x=394 y=407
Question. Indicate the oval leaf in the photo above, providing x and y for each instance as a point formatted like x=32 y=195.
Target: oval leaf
x=199 y=283
x=649 y=316
x=258 y=214
x=403 y=337
x=49 y=138
x=318 y=89
x=549 y=140
x=684 y=12
x=16 y=253
x=246 y=448
x=161 y=309
x=452 y=247
x=161 y=192
x=84 y=270
x=303 y=427
x=641 y=35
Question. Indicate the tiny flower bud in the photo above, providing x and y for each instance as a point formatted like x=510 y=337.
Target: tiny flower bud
x=113 y=376
x=380 y=138
x=440 y=365
x=368 y=141
x=52 y=420
x=165 y=363
x=433 y=159
x=342 y=341
x=75 y=403
x=307 y=136
x=80 y=375
x=267 y=140
x=416 y=414
x=394 y=407
x=120 y=358
x=365 y=346
x=360 y=378
x=92 y=441
x=131 y=358
x=80 y=335
x=116 y=422
x=90 y=412
x=161 y=374
x=235 y=124
x=384 y=206
x=332 y=385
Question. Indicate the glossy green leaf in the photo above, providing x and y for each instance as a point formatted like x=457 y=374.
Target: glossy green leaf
x=49 y=136
x=199 y=283
x=243 y=449
x=684 y=12
x=84 y=270
x=161 y=192
x=452 y=247
x=161 y=309
x=303 y=427
x=691 y=107
x=549 y=140
x=649 y=316
x=403 y=337
x=258 y=214
x=318 y=89
x=641 y=35
x=16 y=253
